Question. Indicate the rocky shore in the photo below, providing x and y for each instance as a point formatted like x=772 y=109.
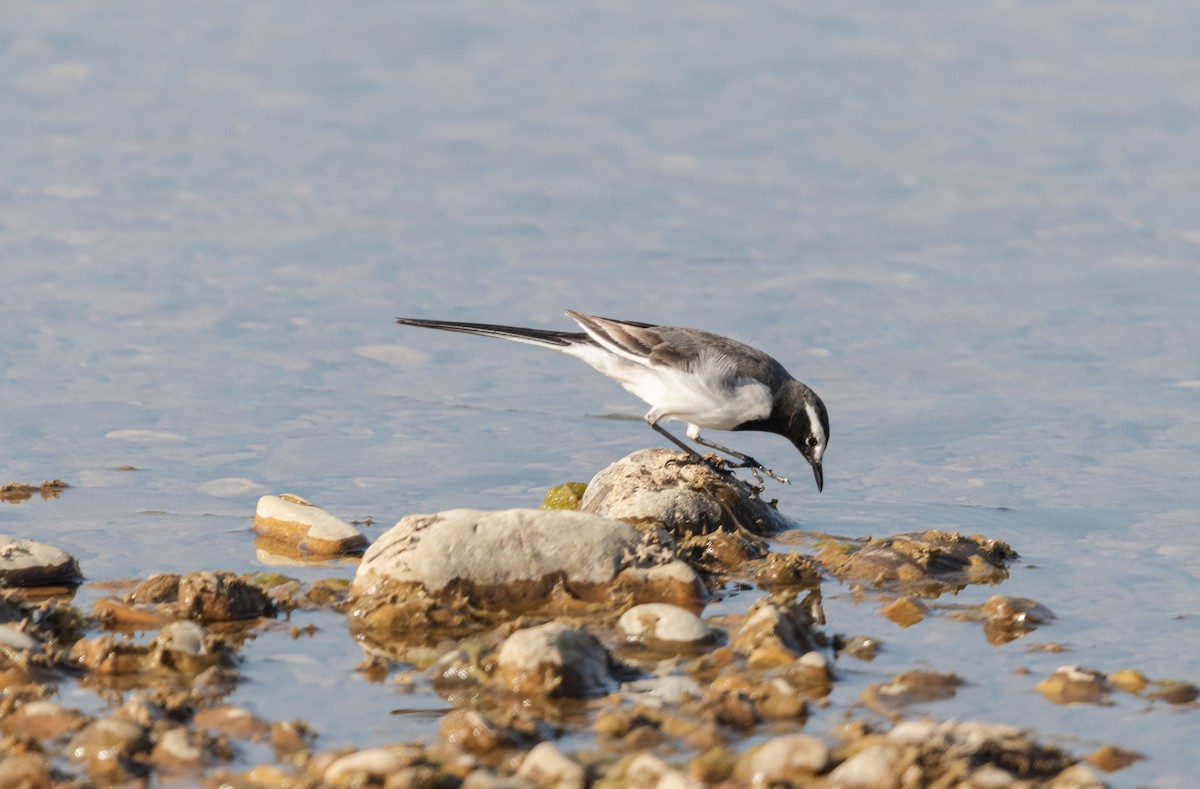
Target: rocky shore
x=571 y=643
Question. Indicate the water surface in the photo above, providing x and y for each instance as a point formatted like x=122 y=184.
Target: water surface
x=970 y=227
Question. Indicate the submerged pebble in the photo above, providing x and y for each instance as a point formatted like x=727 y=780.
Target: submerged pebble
x=305 y=526
x=1074 y=685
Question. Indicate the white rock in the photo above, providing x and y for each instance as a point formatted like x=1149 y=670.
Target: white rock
x=297 y=522
x=874 y=767
x=783 y=757
x=184 y=636
x=374 y=763
x=662 y=622
x=546 y=765
x=27 y=563
x=554 y=659
x=660 y=691
x=647 y=770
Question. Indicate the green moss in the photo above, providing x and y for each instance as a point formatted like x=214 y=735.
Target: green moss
x=565 y=496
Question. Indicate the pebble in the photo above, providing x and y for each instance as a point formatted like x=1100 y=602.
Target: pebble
x=554 y=659
x=371 y=764
x=1074 y=685
x=874 y=767
x=662 y=624
x=546 y=765
x=25 y=563
x=106 y=742
x=784 y=759
x=305 y=526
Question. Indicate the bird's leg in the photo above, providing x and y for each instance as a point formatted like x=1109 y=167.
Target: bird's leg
x=747 y=461
x=693 y=455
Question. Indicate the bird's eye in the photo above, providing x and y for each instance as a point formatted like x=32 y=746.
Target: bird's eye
x=810 y=442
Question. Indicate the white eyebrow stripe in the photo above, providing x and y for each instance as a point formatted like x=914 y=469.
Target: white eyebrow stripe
x=818 y=431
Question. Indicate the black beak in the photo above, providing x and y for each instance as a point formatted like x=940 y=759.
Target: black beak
x=820 y=475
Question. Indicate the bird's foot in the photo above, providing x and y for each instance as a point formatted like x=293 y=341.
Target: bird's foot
x=758 y=470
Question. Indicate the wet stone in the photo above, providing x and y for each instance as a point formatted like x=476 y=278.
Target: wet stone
x=546 y=765
x=471 y=731
x=1074 y=685
x=1111 y=758
x=927 y=563
x=106 y=745
x=1009 y=618
x=783 y=759
x=860 y=647
x=775 y=632
x=177 y=751
x=1174 y=692
x=306 y=527
x=662 y=625
x=554 y=660
x=1128 y=680
x=653 y=486
x=911 y=687
x=41 y=720
x=25 y=563
x=516 y=560
x=209 y=596
x=905 y=611
x=26 y=771
x=234 y=722
x=371 y=764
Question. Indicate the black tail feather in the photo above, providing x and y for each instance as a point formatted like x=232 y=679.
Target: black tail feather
x=544 y=337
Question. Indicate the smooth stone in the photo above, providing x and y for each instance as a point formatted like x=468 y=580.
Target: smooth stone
x=16 y=639
x=519 y=557
x=295 y=521
x=671 y=689
x=554 y=659
x=106 y=740
x=874 y=767
x=652 y=486
x=546 y=765
x=184 y=636
x=369 y=764
x=662 y=622
x=25 y=563
x=175 y=751
x=780 y=759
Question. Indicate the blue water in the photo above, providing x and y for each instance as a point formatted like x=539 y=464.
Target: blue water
x=970 y=227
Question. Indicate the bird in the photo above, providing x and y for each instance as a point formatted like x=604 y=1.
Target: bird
x=704 y=380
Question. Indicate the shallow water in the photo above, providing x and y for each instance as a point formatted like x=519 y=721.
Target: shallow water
x=970 y=227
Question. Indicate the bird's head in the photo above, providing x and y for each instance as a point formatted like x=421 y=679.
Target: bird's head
x=808 y=428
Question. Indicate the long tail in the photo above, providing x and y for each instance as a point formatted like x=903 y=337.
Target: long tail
x=542 y=337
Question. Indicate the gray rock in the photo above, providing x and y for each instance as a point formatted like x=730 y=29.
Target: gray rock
x=555 y=660
x=546 y=765
x=874 y=767
x=661 y=624
x=780 y=759
x=518 y=558
x=650 y=486
x=25 y=563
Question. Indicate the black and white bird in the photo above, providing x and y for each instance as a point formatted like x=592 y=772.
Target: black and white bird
x=702 y=379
